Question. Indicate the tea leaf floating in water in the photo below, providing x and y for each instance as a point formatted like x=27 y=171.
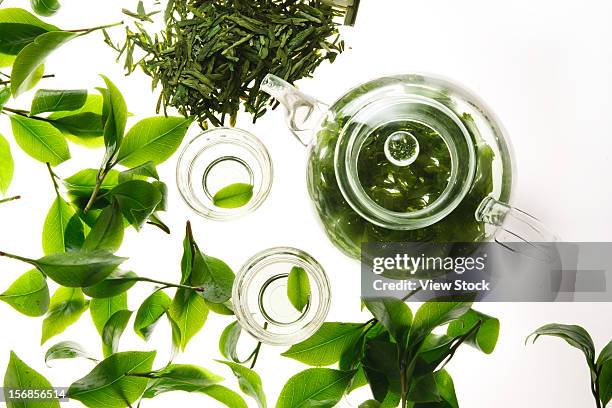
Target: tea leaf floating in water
x=214 y=55
x=233 y=196
x=298 y=288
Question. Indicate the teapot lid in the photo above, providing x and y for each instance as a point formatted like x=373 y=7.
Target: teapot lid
x=404 y=158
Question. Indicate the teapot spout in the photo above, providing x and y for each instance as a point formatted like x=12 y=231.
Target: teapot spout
x=304 y=113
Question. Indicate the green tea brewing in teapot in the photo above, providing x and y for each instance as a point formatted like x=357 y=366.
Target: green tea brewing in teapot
x=406 y=158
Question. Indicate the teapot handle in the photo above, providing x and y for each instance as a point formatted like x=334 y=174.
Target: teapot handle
x=516 y=226
x=304 y=112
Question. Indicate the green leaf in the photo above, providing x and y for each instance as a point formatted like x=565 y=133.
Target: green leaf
x=575 y=336
x=229 y=341
x=436 y=347
x=352 y=353
x=392 y=400
x=107 y=232
x=605 y=356
x=381 y=366
x=605 y=382
x=15 y=36
x=149 y=313
x=220 y=393
x=394 y=315
x=214 y=276
x=116 y=118
x=446 y=388
x=225 y=396
x=20 y=376
x=189 y=312
x=424 y=389
x=152 y=139
x=358 y=381
x=81 y=128
x=436 y=313
x=315 y=387
x=66 y=307
x=180 y=377
x=84 y=182
x=40 y=140
x=163 y=190
x=109 y=383
x=370 y=404
x=176 y=335
x=33 y=55
x=190 y=248
x=18 y=28
x=327 y=345
x=6 y=60
x=29 y=294
x=224 y=309
x=51 y=100
x=67 y=350
x=141 y=172
x=102 y=310
x=298 y=288
x=21 y=16
x=137 y=200
x=485 y=339
x=45 y=7
x=84 y=126
x=34 y=79
x=7 y=166
x=604 y=366
x=5 y=95
x=233 y=196
x=117 y=283
x=154 y=220
x=78 y=269
x=113 y=329
x=63 y=230
x=249 y=382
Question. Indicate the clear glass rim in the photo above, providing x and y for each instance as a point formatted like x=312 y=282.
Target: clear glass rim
x=216 y=136
x=277 y=255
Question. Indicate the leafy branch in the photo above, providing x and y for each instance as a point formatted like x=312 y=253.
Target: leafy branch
x=51 y=266
x=398 y=355
x=85 y=225
x=600 y=368
x=148 y=143
x=37 y=40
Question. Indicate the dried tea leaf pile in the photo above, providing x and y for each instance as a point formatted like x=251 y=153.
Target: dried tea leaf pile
x=214 y=54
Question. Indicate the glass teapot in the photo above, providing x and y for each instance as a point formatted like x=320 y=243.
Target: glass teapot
x=406 y=158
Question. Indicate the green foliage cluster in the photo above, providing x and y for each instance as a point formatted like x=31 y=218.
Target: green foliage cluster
x=120 y=378
x=25 y=43
x=400 y=357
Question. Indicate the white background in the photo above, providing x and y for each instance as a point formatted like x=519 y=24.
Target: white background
x=545 y=68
